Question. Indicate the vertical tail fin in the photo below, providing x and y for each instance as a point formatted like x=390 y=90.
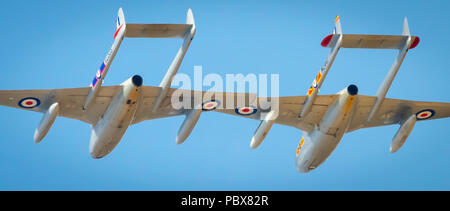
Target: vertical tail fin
x=120 y=22
x=337 y=26
x=190 y=17
x=190 y=20
x=120 y=18
x=406 y=28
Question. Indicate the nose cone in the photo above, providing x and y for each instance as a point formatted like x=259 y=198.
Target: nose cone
x=303 y=166
x=93 y=148
x=95 y=156
x=137 y=80
x=96 y=150
x=94 y=153
x=305 y=162
x=352 y=90
x=303 y=170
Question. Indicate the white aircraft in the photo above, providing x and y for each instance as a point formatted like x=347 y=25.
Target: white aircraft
x=324 y=119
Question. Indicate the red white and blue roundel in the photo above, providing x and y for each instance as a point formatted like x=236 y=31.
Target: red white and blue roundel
x=425 y=114
x=246 y=110
x=210 y=105
x=29 y=102
x=100 y=71
x=314 y=84
x=98 y=75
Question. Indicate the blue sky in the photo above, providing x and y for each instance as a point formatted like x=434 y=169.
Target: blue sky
x=60 y=44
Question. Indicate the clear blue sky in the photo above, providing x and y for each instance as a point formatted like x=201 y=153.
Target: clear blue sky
x=60 y=44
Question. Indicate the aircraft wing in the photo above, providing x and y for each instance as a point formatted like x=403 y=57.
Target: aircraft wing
x=289 y=110
x=71 y=101
x=166 y=108
x=289 y=107
x=392 y=110
x=149 y=95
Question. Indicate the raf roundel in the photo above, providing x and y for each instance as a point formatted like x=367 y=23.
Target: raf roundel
x=29 y=102
x=425 y=114
x=246 y=110
x=98 y=75
x=210 y=105
x=314 y=84
x=100 y=71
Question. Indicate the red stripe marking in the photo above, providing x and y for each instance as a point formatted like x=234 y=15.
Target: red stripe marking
x=117 y=31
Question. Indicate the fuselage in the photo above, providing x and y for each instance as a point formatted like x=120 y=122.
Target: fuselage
x=314 y=148
x=108 y=131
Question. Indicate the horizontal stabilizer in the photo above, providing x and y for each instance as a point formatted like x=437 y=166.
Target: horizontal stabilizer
x=370 y=41
x=157 y=30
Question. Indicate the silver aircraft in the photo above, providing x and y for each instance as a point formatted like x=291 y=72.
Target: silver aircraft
x=324 y=119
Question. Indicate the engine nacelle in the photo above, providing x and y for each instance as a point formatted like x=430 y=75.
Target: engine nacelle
x=46 y=123
x=403 y=133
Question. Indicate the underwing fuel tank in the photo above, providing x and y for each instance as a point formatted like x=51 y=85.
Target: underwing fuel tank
x=46 y=123
x=402 y=133
x=262 y=130
x=188 y=125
